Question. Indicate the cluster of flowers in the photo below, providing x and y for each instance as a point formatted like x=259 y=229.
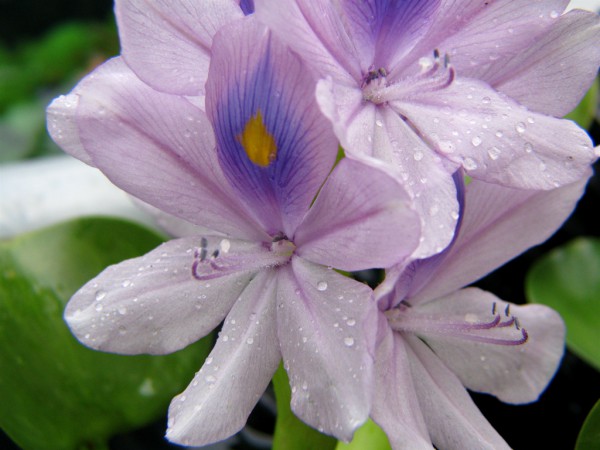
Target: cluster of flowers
x=227 y=117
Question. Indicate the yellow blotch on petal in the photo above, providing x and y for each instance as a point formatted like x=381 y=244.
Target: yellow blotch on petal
x=258 y=143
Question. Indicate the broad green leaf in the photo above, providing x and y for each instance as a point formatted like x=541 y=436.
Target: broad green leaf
x=589 y=435
x=568 y=280
x=585 y=112
x=56 y=393
x=369 y=436
x=290 y=432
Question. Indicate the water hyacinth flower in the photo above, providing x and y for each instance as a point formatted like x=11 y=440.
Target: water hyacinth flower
x=437 y=338
x=436 y=85
x=266 y=268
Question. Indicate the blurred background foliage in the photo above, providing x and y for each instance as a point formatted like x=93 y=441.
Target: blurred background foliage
x=45 y=48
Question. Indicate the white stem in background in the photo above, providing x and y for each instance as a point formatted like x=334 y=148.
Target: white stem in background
x=41 y=192
x=590 y=5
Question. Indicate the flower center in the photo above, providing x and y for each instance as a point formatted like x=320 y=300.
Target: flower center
x=500 y=328
x=218 y=258
x=435 y=74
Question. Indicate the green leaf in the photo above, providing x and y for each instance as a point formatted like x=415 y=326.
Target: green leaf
x=585 y=112
x=567 y=280
x=368 y=436
x=55 y=392
x=290 y=432
x=589 y=435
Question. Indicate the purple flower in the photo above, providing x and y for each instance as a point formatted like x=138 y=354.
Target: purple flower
x=434 y=85
x=265 y=269
x=435 y=338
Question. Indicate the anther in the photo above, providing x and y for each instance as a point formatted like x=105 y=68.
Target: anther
x=494 y=309
x=507 y=310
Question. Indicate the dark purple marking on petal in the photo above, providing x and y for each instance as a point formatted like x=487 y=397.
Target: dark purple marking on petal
x=286 y=183
x=391 y=26
x=247 y=6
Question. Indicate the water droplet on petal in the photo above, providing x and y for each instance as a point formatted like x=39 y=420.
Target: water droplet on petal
x=225 y=245
x=122 y=310
x=250 y=341
x=418 y=156
x=494 y=153
x=469 y=164
x=528 y=147
x=554 y=14
x=322 y=286
x=126 y=283
x=486 y=100
x=446 y=146
x=476 y=141
x=520 y=127
x=351 y=322
x=348 y=341
x=210 y=379
x=100 y=295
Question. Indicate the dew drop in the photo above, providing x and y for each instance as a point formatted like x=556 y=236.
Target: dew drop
x=486 y=100
x=379 y=123
x=520 y=127
x=122 y=310
x=469 y=164
x=494 y=153
x=418 y=156
x=351 y=322
x=210 y=379
x=250 y=341
x=100 y=295
x=554 y=14
x=471 y=318
x=126 y=283
x=304 y=386
x=530 y=120
x=446 y=146
x=528 y=147
x=348 y=341
x=476 y=141
x=99 y=307
x=499 y=134
x=322 y=286
x=225 y=245
x=225 y=338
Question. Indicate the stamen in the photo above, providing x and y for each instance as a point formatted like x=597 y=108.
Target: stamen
x=223 y=263
x=203 y=250
x=494 y=330
x=439 y=76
